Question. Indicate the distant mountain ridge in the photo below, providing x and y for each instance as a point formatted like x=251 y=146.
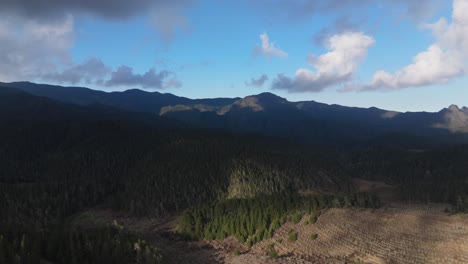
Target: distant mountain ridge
x=271 y=115
x=131 y=100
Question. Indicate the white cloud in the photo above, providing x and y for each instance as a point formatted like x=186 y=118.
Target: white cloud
x=40 y=50
x=257 y=82
x=91 y=71
x=300 y=10
x=168 y=16
x=268 y=49
x=429 y=67
x=337 y=66
x=30 y=49
x=124 y=76
x=441 y=62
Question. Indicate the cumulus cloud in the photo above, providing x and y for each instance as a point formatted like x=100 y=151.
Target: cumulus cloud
x=418 y=10
x=297 y=10
x=46 y=9
x=107 y=9
x=167 y=15
x=91 y=71
x=30 y=49
x=439 y=63
x=268 y=49
x=124 y=76
x=335 y=67
x=40 y=50
x=257 y=82
x=341 y=25
x=429 y=67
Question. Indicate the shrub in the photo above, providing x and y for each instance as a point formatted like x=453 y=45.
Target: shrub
x=240 y=238
x=272 y=251
x=297 y=217
x=292 y=235
x=249 y=243
x=314 y=217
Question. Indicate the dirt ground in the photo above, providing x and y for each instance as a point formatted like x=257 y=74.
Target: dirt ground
x=386 y=193
x=399 y=234
x=396 y=233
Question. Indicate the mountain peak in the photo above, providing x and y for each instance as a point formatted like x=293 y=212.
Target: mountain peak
x=267 y=95
x=454 y=119
x=268 y=98
x=261 y=102
x=134 y=91
x=454 y=107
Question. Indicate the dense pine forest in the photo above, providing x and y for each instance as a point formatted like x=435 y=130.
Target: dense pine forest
x=434 y=175
x=62 y=244
x=252 y=220
x=52 y=170
x=145 y=172
x=58 y=159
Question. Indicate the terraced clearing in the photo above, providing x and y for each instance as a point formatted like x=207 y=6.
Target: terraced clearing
x=403 y=234
x=398 y=234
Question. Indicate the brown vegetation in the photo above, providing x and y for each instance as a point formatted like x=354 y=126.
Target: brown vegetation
x=403 y=234
x=398 y=234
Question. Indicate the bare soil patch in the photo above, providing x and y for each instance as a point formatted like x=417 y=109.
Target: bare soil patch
x=159 y=232
x=393 y=234
x=387 y=193
x=402 y=234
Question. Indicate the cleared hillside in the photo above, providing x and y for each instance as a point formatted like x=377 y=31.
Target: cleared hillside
x=397 y=234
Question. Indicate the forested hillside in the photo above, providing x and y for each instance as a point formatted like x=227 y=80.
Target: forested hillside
x=436 y=175
x=53 y=168
x=266 y=114
x=58 y=159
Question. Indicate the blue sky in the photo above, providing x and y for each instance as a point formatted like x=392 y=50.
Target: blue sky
x=393 y=54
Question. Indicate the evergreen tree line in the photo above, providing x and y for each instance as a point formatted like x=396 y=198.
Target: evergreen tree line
x=253 y=219
x=60 y=169
x=67 y=245
x=429 y=176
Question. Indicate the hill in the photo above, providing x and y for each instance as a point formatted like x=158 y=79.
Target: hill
x=269 y=115
x=215 y=172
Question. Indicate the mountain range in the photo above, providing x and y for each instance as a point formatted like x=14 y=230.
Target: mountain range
x=270 y=115
x=220 y=170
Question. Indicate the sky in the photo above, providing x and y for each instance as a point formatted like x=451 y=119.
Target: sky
x=392 y=54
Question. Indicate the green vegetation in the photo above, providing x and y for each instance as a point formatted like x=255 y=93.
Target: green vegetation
x=143 y=172
x=315 y=215
x=292 y=235
x=70 y=245
x=58 y=159
x=256 y=218
x=425 y=176
x=272 y=251
x=313 y=236
x=51 y=171
x=296 y=217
